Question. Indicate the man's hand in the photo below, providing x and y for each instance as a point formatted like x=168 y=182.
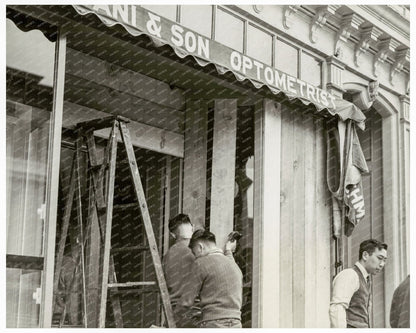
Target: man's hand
x=231 y=245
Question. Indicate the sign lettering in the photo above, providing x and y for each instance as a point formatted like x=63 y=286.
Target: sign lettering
x=141 y=20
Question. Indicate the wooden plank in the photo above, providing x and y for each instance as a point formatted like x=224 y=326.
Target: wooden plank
x=310 y=198
x=257 y=304
x=138 y=188
x=122 y=79
x=286 y=221
x=167 y=205
x=97 y=179
x=195 y=161
x=24 y=262
x=132 y=284
x=92 y=259
x=99 y=123
x=108 y=226
x=323 y=232
x=64 y=229
x=129 y=249
x=79 y=91
x=298 y=220
x=96 y=182
x=143 y=136
x=270 y=277
x=80 y=238
x=380 y=307
x=54 y=150
x=223 y=169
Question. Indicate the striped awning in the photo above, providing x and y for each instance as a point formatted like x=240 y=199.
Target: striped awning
x=186 y=42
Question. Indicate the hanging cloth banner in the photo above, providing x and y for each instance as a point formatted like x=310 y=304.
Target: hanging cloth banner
x=186 y=42
x=345 y=166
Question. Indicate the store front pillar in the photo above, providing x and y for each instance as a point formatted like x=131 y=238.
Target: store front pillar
x=405 y=181
x=195 y=161
x=223 y=169
x=266 y=255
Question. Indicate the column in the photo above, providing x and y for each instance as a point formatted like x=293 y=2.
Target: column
x=195 y=161
x=266 y=249
x=223 y=169
x=404 y=227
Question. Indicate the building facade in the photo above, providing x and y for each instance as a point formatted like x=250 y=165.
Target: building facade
x=230 y=108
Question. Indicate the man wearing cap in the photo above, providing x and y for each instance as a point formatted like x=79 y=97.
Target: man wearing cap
x=350 y=304
x=177 y=263
x=216 y=280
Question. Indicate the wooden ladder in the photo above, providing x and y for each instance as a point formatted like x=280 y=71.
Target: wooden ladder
x=104 y=209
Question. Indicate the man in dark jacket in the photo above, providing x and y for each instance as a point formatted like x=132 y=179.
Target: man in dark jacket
x=400 y=306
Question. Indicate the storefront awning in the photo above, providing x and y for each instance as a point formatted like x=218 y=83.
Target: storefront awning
x=186 y=42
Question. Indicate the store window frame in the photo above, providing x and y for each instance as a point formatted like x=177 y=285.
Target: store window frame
x=46 y=263
x=289 y=43
x=301 y=51
x=265 y=31
x=320 y=60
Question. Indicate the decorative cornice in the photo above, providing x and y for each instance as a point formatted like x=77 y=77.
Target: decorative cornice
x=368 y=36
x=289 y=12
x=402 y=58
x=319 y=20
x=349 y=23
x=395 y=27
x=386 y=47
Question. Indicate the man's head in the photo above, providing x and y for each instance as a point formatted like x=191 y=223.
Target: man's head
x=181 y=227
x=373 y=255
x=202 y=242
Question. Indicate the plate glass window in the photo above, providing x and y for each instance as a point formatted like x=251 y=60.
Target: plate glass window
x=30 y=60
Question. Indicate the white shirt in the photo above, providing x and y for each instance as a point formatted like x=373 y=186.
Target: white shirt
x=345 y=284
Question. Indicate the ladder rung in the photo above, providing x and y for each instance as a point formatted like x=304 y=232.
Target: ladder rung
x=134 y=291
x=134 y=205
x=96 y=167
x=130 y=248
x=131 y=284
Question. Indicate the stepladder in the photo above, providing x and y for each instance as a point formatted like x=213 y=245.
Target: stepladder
x=113 y=223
